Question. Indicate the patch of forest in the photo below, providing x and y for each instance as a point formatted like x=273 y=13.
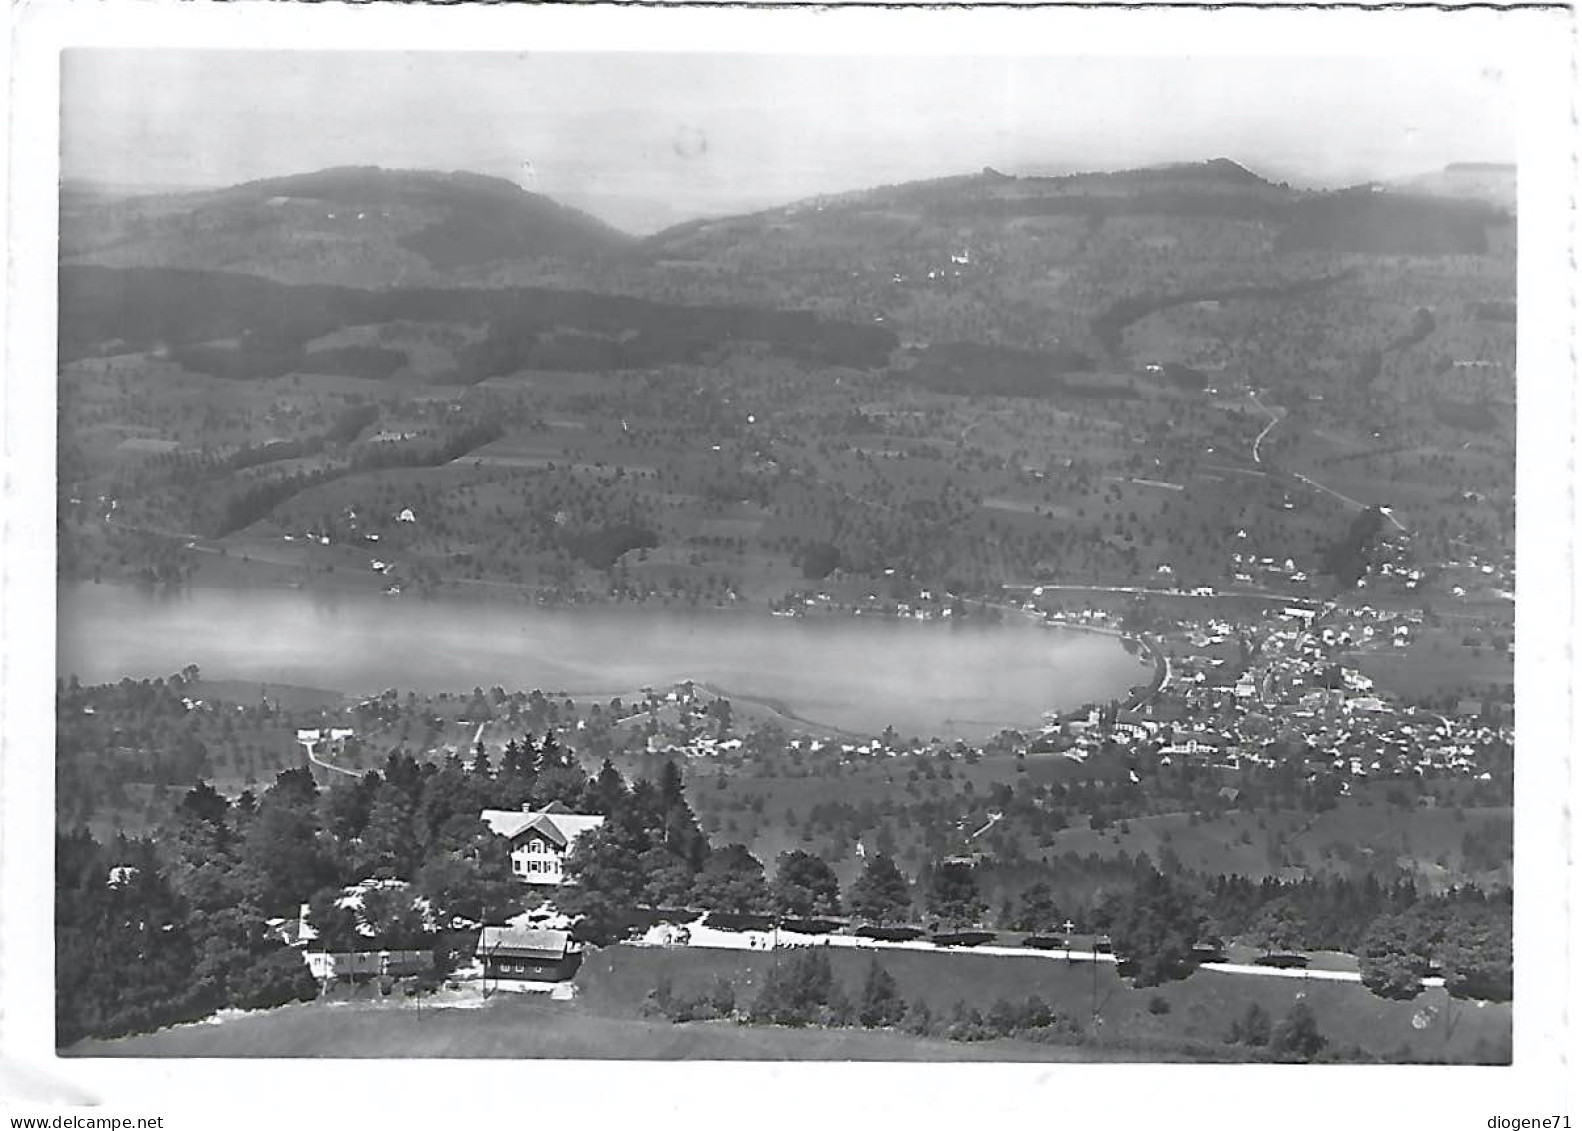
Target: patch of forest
x=1347 y=558
x=242 y=327
x=496 y=229
x=1109 y=326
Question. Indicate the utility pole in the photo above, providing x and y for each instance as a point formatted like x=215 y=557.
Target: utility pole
x=1093 y=958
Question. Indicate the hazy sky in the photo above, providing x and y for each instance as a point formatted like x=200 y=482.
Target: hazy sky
x=648 y=138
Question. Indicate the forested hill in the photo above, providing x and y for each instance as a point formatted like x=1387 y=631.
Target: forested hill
x=1364 y=221
x=484 y=218
x=362 y=226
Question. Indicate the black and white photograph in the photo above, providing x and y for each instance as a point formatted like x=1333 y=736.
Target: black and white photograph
x=886 y=544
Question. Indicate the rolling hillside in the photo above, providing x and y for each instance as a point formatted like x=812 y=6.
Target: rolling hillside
x=352 y=226
x=1016 y=378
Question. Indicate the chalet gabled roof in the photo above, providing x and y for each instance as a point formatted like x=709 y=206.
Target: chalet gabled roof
x=523 y=942
x=555 y=825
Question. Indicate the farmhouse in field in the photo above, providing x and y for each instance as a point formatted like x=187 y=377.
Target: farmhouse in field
x=515 y=953
x=540 y=840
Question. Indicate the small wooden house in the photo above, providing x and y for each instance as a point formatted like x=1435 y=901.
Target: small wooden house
x=530 y=954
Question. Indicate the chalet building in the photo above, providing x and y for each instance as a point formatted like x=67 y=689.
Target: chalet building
x=527 y=954
x=540 y=840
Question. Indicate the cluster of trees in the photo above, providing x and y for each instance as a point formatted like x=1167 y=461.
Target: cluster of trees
x=650 y=853
x=132 y=732
x=1398 y=935
x=1467 y=940
x=601 y=547
x=1347 y=558
x=1155 y=926
x=133 y=953
x=154 y=931
x=1296 y=1037
x=1332 y=913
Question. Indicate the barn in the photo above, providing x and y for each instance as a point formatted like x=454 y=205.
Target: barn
x=527 y=954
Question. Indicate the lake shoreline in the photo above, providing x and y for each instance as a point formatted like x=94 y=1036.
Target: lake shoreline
x=968 y=678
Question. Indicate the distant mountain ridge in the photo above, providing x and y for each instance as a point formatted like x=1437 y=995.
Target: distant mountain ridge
x=1365 y=220
x=366 y=226
x=1216 y=170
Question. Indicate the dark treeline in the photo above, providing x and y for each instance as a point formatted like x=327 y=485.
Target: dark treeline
x=255 y=358
x=1372 y=363
x=1157 y=916
x=602 y=547
x=257 y=499
x=640 y=335
x=1399 y=935
x=970 y=368
x=1347 y=558
x=429 y=453
x=193 y=312
x=1109 y=326
x=347 y=425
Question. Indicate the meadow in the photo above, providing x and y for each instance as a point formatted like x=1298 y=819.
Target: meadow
x=1182 y=1020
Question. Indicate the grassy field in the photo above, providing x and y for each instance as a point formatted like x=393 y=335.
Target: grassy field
x=1201 y=1007
x=605 y=1021
x=518 y=1027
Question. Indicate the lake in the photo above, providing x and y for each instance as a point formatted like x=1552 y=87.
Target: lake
x=856 y=674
